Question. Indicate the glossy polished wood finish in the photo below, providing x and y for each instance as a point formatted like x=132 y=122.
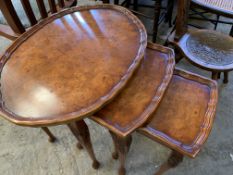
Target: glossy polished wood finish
x=185 y=116
x=132 y=107
x=70 y=65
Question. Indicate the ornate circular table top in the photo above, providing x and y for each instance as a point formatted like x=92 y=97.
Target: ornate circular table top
x=70 y=65
x=208 y=49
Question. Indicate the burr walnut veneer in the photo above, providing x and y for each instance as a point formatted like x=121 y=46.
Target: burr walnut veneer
x=184 y=117
x=68 y=66
x=139 y=99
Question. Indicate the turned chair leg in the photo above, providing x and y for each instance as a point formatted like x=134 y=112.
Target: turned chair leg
x=231 y=32
x=81 y=132
x=157 y=10
x=52 y=138
x=215 y=75
x=173 y=161
x=122 y=146
x=219 y=75
x=225 y=80
x=178 y=56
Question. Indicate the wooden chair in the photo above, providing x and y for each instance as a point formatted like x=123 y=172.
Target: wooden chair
x=218 y=7
x=207 y=49
x=182 y=122
x=157 y=18
x=16 y=27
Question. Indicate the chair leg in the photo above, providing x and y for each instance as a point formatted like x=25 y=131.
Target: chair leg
x=215 y=75
x=225 y=80
x=116 y=2
x=170 y=7
x=105 y=1
x=81 y=132
x=173 y=161
x=231 y=33
x=219 y=75
x=156 y=19
x=122 y=146
x=135 y=5
x=178 y=56
x=52 y=138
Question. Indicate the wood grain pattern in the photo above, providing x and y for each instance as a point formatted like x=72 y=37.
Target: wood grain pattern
x=131 y=108
x=186 y=114
x=51 y=76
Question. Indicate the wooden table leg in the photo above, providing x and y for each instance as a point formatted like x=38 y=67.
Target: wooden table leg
x=52 y=138
x=173 y=161
x=81 y=132
x=122 y=146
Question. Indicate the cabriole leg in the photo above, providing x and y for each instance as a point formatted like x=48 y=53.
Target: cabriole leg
x=173 y=161
x=122 y=146
x=52 y=138
x=81 y=132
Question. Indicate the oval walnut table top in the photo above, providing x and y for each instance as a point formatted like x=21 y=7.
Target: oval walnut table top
x=141 y=96
x=70 y=65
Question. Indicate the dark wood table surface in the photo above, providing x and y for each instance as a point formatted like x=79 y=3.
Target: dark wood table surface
x=70 y=65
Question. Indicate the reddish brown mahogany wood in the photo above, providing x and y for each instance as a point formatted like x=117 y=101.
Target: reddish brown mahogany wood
x=185 y=116
x=142 y=94
x=70 y=65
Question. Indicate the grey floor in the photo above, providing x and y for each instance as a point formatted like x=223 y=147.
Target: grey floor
x=26 y=151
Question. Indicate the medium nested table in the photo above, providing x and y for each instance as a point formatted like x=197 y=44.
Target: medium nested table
x=69 y=66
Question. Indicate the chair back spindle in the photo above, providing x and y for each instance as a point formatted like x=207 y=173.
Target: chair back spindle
x=29 y=12
x=15 y=25
x=61 y=3
x=182 y=18
x=42 y=9
x=11 y=16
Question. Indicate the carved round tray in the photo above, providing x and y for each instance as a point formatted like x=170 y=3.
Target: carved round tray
x=69 y=65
